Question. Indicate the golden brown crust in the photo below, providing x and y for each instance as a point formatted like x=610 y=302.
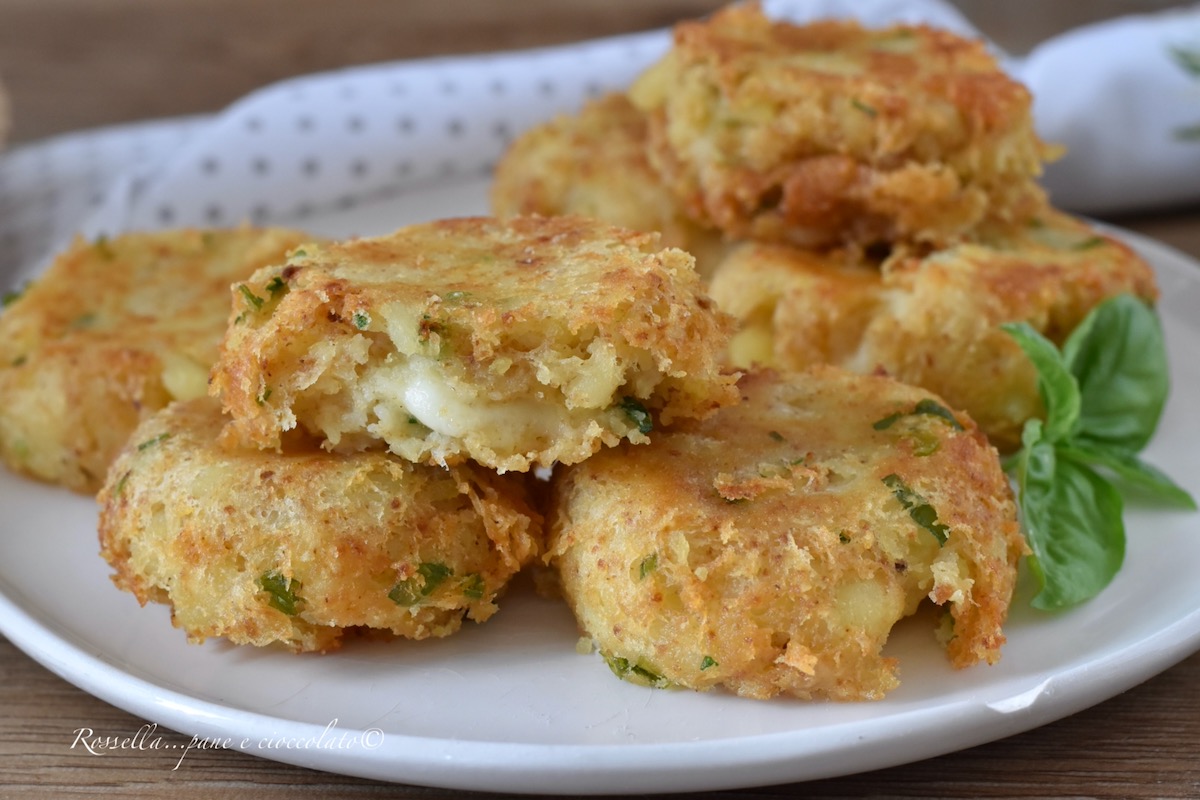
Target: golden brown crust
x=932 y=319
x=594 y=164
x=797 y=307
x=113 y=331
x=831 y=132
x=364 y=540
x=769 y=548
x=513 y=342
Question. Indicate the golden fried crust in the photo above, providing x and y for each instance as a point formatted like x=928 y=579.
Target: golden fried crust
x=932 y=319
x=796 y=307
x=113 y=331
x=941 y=329
x=831 y=132
x=299 y=547
x=517 y=342
x=771 y=548
x=594 y=164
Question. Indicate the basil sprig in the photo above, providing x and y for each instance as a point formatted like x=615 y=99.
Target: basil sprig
x=1103 y=393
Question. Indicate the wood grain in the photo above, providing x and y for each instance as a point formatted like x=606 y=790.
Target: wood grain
x=78 y=63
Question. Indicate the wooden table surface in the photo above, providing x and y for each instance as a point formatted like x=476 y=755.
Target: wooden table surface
x=70 y=64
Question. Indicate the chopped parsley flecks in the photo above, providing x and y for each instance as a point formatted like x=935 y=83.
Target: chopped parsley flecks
x=926 y=407
x=637 y=414
x=252 y=300
x=1090 y=243
x=918 y=507
x=103 y=248
x=281 y=592
x=263 y=396
x=362 y=320
x=708 y=662
x=12 y=296
x=647 y=565
x=411 y=591
x=635 y=673
x=864 y=108
x=86 y=320
x=473 y=586
x=162 y=437
x=276 y=285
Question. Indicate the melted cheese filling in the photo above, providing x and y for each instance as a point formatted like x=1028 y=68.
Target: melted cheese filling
x=419 y=389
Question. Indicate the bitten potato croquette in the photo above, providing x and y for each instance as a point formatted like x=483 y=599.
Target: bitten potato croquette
x=516 y=343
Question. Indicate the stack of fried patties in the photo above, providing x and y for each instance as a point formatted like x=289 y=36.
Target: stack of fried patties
x=772 y=547
x=378 y=405
x=862 y=197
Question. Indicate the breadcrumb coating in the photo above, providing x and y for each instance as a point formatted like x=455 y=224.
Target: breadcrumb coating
x=594 y=164
x=516 y=343
x=771 y=548
x=932 y=319
x=113 y=331
x=303 y=547
x=832 y=133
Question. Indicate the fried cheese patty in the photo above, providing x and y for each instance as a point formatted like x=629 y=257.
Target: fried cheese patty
x=114 y=330
x=932 y=320
x=594 y=164
x=299 y=546
x=771 y=548
x=515 y=343
x=830 y=132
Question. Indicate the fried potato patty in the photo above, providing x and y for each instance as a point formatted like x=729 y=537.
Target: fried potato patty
x=113 y=331
x=515 y=343
x=594 y=164
x=299 y=546
x=932 y=319
x=771 y=548
x=831 y=132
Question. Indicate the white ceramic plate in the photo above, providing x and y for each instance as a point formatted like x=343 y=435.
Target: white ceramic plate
x=510 y=705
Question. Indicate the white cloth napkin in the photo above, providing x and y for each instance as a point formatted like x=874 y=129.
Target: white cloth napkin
x=1114 y=94
x=1124 y=97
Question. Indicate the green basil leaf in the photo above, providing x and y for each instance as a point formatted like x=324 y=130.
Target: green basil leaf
x=1072 y=519
x=1131 y=469
x=1058 y=387
x=1119 y=359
